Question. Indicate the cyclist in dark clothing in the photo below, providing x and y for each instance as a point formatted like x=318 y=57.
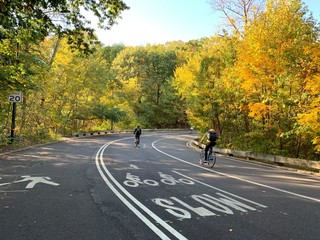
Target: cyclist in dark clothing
x=212 y=137
x=137 y=132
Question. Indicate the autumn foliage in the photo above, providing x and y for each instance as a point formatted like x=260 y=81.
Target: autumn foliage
x=259 y=87
x=260 y=91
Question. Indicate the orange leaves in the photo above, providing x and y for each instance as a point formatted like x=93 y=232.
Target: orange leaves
x=257 y=110
x=260 y=110
x=310 y=117
x=311 y=68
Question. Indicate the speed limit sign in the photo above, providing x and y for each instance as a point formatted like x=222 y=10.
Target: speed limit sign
x=15 y=97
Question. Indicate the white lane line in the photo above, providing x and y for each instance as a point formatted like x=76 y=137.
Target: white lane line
x=133 y=199
x=125 y=201
x=234 y=177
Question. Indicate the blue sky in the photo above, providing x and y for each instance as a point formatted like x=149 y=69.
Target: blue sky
x=160 y=21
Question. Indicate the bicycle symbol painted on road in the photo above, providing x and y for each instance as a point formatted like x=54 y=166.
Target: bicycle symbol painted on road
x=170 y=180
x=135 y=181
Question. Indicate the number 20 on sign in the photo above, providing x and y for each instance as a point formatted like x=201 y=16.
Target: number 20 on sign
x=15 y=97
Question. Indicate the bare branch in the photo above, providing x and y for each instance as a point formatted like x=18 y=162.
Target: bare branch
x=238 y=13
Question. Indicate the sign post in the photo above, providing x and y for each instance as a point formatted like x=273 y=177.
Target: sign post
x=14 y=98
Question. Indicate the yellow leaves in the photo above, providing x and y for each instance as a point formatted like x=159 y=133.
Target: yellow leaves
x=311 y=120
x=316 y=142
x=250 y=84
x=258 y=110
x=186 y=76
x=312 y=68
x=313 y=84
x=131 y=85
x=308 y=119
x=63 y=55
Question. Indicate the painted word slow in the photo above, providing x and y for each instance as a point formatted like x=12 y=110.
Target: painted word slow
x=209 y=205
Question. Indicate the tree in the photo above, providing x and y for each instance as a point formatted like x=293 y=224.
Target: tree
x=68 y=92
x=146 y=74
x=32 y=21
x=270 y=66
x=239 y=13
x=309 y=118
x=24 y=24
x=201 y=83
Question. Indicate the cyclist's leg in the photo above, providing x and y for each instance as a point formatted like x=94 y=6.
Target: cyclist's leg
x=212 y=155
x=206 y=149
x=137 y=140
x=214 y=143
x=211 y=158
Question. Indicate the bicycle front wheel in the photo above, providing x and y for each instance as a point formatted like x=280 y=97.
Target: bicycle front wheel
x=212 y=159
x=201 y=156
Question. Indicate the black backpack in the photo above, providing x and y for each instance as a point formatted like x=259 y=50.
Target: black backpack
x=137 y=131
x=213 y=136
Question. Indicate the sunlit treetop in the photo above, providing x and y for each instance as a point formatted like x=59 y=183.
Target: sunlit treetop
x=33 y=20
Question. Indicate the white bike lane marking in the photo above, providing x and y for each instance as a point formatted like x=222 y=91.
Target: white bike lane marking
x=231 y=176
x=113 y=182
x=135 y=181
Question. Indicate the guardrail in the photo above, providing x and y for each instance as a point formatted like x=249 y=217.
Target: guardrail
x=92 y=133
x=105 y=132
x=279 y=160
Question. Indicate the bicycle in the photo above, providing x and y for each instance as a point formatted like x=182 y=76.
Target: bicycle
x=211 y=159
x=137 y=141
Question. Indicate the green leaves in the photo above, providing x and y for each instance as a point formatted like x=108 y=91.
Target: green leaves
x=260 y=90
x=146 y=74
x=32 y=21
x=108 y=113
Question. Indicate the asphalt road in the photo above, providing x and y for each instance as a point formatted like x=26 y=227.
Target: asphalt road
x=103 y=187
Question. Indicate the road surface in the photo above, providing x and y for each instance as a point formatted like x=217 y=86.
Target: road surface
x=102 y=187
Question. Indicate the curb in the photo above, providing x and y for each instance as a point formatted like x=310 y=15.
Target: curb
x=301 y=165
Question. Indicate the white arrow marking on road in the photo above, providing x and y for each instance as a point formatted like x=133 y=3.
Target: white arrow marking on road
x=134 y=166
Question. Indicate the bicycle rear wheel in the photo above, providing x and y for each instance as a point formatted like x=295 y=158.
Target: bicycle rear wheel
x=137 y=141
x=201 y=156
x=212 y=159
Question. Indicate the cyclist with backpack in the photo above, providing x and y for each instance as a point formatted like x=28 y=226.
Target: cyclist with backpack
x=212 y=138
x=137 y=133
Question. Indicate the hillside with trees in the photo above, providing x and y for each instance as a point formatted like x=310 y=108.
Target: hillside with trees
x=258 y=83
